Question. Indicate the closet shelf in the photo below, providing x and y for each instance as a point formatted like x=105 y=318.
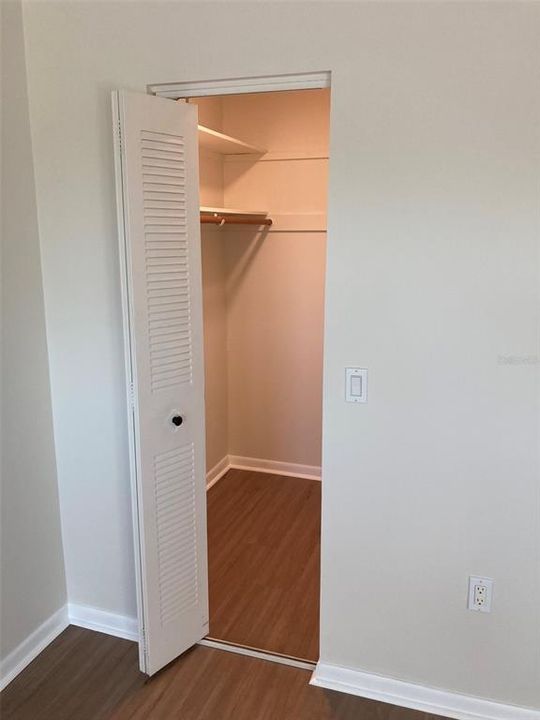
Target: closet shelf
x=225 y=144
x=222 y=216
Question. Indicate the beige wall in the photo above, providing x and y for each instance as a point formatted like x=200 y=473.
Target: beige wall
x=288 y=122
x=264 y=290
x=210 y=111
x=432 y=275
x=275 y=292
x=210 y=164
x=33 y=582
x=263 y=344
x=275 y=280
x=214 y=268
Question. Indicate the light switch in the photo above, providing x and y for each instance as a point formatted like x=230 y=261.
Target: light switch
x=356 y=384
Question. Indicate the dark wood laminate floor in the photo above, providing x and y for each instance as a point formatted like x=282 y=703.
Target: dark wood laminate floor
x=84 y=675
x=264 y=562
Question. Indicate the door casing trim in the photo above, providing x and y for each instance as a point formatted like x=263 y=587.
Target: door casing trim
x=241 y=85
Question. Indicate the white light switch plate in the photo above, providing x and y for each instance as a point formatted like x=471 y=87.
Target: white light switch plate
x=356 y=384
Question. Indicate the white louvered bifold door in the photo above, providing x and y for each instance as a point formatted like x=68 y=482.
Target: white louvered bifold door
x=158 y=196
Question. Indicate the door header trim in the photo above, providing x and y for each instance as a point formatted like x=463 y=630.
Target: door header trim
x=236 y=86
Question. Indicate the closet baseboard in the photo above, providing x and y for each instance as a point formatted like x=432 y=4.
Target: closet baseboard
x=273 y=467
x=308 y=472
x=92 y=618
x=217 y=472
x=29 y=649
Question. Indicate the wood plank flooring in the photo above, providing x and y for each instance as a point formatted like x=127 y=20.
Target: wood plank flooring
x=84 y=675
x=264 y=562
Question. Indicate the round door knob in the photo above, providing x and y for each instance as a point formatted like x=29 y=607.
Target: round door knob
x=177 y=420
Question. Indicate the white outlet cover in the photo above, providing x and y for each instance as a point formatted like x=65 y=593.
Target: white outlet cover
x=480 y=594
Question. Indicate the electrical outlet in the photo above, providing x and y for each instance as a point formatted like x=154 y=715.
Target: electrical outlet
x=480 y=594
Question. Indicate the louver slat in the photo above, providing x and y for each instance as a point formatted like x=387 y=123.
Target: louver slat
x=167 y=260
x=174 y=485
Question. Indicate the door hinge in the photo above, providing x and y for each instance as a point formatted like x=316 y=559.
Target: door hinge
x=119 y=135
x=132 y=395
x=144 y=649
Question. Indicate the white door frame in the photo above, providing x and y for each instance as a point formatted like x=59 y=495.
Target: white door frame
x=176 y=91
x=238 y=86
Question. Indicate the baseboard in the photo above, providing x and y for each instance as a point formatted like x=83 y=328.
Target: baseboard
x=416 y=697
x=30 y=648
x=92 y=618
x=217 y=472
x=309 y=472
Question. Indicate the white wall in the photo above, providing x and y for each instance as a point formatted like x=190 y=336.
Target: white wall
x=33 y=581
x=432 y=275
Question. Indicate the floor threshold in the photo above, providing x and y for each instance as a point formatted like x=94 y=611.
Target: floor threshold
x=256 y=653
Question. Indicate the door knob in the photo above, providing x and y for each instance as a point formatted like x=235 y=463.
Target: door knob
x=177 y=420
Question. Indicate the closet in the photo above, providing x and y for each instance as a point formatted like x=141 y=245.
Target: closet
x=222 y=232
x=263 y=161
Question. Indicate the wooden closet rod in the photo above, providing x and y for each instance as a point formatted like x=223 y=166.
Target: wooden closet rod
x=235 y=220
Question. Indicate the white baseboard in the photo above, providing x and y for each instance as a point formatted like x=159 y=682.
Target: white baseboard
x=217 y=472
x=274 y=467
x=416 y=697
x=30 y=648
x=92 y=618
x=309 y=472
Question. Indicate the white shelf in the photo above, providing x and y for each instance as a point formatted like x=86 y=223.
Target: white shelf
x=232 y=211
x=225 y=144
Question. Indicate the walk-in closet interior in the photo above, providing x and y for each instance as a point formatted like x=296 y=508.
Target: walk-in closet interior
x=263 y=186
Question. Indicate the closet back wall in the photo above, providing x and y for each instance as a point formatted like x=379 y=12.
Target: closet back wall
x=274 y=279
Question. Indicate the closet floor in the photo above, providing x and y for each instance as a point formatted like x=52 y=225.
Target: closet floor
x=264 y=562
